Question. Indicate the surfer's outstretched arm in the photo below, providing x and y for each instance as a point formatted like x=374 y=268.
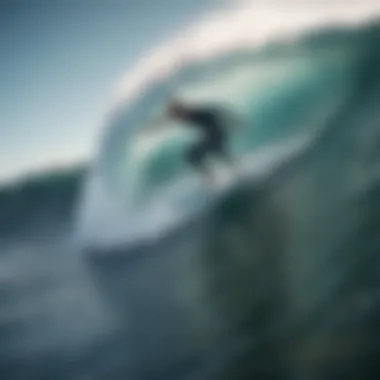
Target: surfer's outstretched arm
x=156 y=124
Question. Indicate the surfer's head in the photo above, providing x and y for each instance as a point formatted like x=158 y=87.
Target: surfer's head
x=176 y=109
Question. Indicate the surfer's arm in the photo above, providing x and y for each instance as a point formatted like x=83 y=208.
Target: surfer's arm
x=156 y=124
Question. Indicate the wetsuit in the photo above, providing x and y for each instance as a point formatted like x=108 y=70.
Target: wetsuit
x=214 y=139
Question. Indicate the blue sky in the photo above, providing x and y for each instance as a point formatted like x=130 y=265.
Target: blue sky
x=60 y=62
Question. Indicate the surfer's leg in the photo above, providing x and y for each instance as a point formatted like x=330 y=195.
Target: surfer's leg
x=196 y=157
x=221 y=152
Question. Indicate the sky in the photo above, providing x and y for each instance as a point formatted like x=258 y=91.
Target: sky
x=60 y=63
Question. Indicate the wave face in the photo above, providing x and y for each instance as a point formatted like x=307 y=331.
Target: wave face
x=277 y=276
x=282 y=91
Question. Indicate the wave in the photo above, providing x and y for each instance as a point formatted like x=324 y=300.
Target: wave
x=274 y=276
x=46 y=198
x=282 y=91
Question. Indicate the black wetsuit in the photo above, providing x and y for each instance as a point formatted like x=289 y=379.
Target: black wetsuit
x=214 y=140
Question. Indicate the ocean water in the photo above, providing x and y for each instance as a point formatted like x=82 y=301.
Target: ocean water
x=277 y=277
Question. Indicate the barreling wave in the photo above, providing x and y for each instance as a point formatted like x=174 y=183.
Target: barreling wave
x=282 y=89
x=277 y=276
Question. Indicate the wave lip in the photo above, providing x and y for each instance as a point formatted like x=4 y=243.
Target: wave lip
x=242 y=28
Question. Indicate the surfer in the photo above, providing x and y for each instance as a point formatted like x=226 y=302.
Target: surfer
x=211 y=123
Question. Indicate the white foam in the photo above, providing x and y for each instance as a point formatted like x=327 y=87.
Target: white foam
x=180 y=200
x=248 y=25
